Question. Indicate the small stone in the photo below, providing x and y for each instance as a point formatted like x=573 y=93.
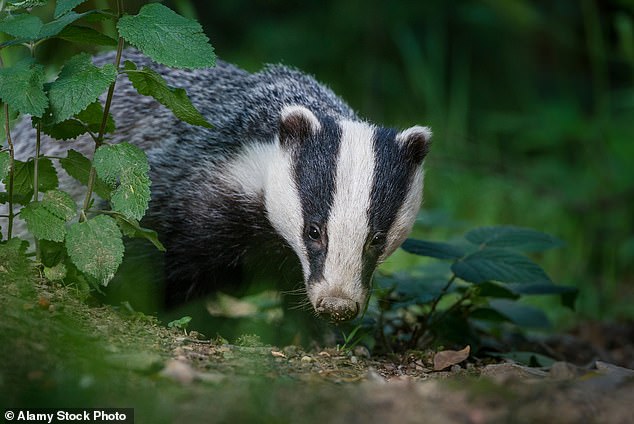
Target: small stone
x=179 y=371
x=362 y=352
x=562 y=371
x=307 y=359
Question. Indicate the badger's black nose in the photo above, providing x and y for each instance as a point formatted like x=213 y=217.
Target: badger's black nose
x=337 y=309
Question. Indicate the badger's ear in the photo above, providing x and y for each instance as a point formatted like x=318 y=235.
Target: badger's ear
x=416 y=141
x=297 y=123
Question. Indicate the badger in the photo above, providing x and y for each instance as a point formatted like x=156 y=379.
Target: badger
x=287 y=167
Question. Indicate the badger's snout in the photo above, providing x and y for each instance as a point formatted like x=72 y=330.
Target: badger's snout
x=337 y=309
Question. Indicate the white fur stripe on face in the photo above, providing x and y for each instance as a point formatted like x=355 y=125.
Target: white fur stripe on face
x=266 y=168
x=406 y=215
x=347 y=225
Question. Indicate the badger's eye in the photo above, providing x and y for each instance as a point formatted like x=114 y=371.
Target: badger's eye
x=377 y=239
x=313 y=232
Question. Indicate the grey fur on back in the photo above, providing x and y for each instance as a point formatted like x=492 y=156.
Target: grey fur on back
x=242 y=107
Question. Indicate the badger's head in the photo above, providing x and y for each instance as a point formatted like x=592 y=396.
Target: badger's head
x=344 y=195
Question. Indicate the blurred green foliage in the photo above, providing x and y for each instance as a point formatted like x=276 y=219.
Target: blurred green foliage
x=531 y=103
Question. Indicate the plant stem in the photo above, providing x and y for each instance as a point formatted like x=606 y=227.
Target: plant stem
x=424 y=326
x=11 y=171
x=36 y=176
x=102 y=129
x=7 y=131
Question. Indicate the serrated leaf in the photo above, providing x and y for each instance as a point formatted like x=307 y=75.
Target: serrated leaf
x=4 y=164
x=15 y=267
x=523 y=239
x=126 y=165
x=95 y=247
x=23 y=26
x=22 y=87
x=78 y=166
x=63 y=6
x=131 y=228
x=167 y=37
x=86 y=35
x=505 y=266
x=150 y=83
x=23 y=180
x=521 y=314
x=433 y=249
x=47 y=218
x=87 y=120
x=79 y=84
x=24 y=4
x=29 y=29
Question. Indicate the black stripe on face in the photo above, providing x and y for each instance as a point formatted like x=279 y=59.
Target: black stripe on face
x=315 y=173
x=393 y=171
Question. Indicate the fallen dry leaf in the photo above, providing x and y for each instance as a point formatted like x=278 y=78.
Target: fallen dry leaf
x=447 y=358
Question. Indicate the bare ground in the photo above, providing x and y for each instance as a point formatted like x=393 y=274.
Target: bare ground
x=57 y=351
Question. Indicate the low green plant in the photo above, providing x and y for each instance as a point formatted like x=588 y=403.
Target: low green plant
x=84 y=244
x=469 y=296
x=180 y=323
x=351 y=339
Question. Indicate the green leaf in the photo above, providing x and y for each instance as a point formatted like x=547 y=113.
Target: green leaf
x=51 y=252
x=131 y=228
x=63 y=6
x=491 y=289
x=167 y=37
x=86 y=35
x=22 y=87
x=23 y=26
x=15 y=267
x=126 y=165
x=65 y=130
x=29 y=28
x=179 y=323
x=414 y=290
x=488 y=314
x=523 y=239
x=149 y=83
x=433 y=249
x=88 y=119
x=521 y=314
x=4 y=164
x=23 y=180
x=78 y=166
x=540 y=288
x=79 y=84
x=47 y=218
x=501 y=265
x=53 y=28
x=95 y=247
x=24 y=4
x=56 y=273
